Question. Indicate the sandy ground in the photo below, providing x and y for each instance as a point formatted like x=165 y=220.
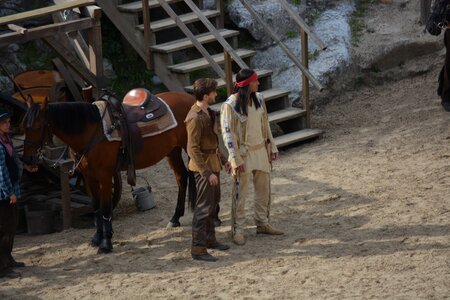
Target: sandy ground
x=365 y=210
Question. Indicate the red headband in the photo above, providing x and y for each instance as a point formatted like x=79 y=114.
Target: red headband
x=247 y=81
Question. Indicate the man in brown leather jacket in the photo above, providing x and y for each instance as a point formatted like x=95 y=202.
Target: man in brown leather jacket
x=206 y=162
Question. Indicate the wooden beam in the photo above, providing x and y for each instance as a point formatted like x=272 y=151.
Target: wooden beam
x=92 y=11
x=147 y=34
x=44 y=11
x=17 y=28
x=64 y=167
x=70 y=83
x=96 y=54
x=45 y=31
x=305 y=81
x=128 y=31
x=228 y=72
x=72 y=39
x=71 y=60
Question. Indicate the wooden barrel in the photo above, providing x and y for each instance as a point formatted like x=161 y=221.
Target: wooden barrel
x=39 y=94
x=38 y=78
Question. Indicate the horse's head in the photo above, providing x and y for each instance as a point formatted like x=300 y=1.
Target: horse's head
x=37 y=133
x=439 y=17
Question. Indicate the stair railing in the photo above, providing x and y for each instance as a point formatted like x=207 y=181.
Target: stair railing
x=147 y=34
x=303 y=65
x=230 y=54
x=191 y=36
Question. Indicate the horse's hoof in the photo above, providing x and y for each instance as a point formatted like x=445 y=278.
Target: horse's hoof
x=104 y=250
x=173 y=224
x=96 y=240
x=94 y=244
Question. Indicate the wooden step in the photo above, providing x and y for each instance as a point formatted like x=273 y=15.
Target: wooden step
x=221 y=82
x=136 y=7
x=186 y=18
x=297 y=136
x=203 y=38
x=274 y=94
x=201 y=63
x=286 y=114
x=267 y=94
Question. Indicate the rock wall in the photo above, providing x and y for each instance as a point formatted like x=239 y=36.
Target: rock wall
x=331 y=24
x=392 y=37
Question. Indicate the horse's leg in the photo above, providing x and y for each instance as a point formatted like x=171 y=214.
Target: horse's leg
x=181 y=175
x=106 y=213
x=94 y=189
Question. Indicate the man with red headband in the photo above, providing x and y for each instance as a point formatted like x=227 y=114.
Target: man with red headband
x=248 y=138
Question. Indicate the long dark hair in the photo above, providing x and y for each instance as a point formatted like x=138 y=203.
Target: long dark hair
x=243 y=93
x=439 y=17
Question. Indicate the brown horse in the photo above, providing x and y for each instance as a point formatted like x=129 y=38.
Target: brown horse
x=78 y=124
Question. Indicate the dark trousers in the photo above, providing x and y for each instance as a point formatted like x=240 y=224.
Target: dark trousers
x=203 y=232
x=444 y=76
x=8 y=223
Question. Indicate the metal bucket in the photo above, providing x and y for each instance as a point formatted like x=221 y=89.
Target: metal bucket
x=143 y=197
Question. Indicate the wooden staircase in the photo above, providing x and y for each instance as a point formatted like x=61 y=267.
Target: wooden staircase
x=178 y=63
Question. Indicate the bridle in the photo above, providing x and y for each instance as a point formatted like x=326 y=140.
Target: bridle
x=45 y=135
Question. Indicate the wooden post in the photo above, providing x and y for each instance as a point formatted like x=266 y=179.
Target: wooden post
x=221 y=8
x=305 y=81
x=95 y=52
x=147 y=34
x=65 y=192
x=228 y=72
x=425 y=6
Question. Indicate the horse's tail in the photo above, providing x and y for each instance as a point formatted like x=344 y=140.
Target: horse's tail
x=192 y=190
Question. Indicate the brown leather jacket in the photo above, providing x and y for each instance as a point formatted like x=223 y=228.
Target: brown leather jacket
x=203 y=143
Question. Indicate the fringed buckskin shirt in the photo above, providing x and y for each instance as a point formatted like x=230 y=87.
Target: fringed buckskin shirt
x=203 y=144
x=245 y=136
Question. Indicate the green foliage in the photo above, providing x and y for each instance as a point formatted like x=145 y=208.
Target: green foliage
x=375 y=68
x=313 y=55
x=360 y=82
x=312 y=18
x=35 y=58
x=222 y=94
x=130 y=69
x=292 y=34
x=296 y=2
x=357 y=25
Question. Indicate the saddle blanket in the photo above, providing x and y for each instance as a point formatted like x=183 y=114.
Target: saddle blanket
x=154 y=127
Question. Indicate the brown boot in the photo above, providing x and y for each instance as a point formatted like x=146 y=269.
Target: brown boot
x=239 y=238
x=200 y=253
x=218 y=246
x=268 y=229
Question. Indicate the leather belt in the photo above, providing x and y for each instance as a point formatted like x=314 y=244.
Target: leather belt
x=210 y=151
x=256 y=147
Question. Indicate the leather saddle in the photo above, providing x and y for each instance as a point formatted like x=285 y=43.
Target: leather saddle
x=142 y=106
x=138 y=105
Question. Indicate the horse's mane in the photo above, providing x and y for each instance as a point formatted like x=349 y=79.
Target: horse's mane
x=69 y=117
x=72 y=117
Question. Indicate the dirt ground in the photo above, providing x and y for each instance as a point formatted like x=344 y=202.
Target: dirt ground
x=365 y=211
